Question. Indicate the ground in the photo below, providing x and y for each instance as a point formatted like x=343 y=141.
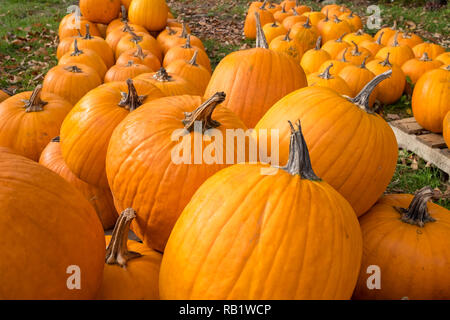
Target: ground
x=28 y=40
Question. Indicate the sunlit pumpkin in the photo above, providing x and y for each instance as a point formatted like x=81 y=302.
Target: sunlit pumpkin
x=71 y=25
x=170 y=84
x=446 y=129
x=432 y=49
x=116 y=35
x=405 y=38
x=357 y=37
x=100 y=11
x=334 y=29
x=305 y=34
x=273 y=30
x=444 y=58
x=250 y=21
x=314 y=58
x=415 y=68
x=151 y=14
x=373 y=46
x=185 y=52
x=143 y=39
x=289 y=46
x=353 y=20
x=336 y=46
x=140 y=56
x=388 y=32
x=327 y=80
x=398 y=53
x=123 y=72
x=356 y=55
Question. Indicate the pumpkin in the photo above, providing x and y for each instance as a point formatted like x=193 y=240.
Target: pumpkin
x=390 y=90
x=86 y=57
x=355 y=56
x=273 y=30
x=288 y=4
x=126 y=71
x=116 y=35
x=334 y=47
x=273 y=7
x=430 y=100
x=255 y=258
x=322 y=23
x=444 y=58
x=29 y=120
x=132 y=40
x=406 y=39
x=353 y=20
x=84 y=143
x=325 y=79
x=49 y=233
x=305 y=34
x=169 y=33
x=97 y=44
x=279 y=16
x=432 y=49
x=388 y=33
x=341 y=133
x=65 y=44
x=290 y=21
x=331 y=9
x=150 y=148
x=357 y=77
x=5 y=94
x=415 y=68
x=181 y=40
x=185 y=52
x=100 y=11
x=140 y=56
x=131 y=269
x=71 y=25
x=334 y=29
x=118 y=22
x=288 y=46
x=151 y=14
x=398 y=53
x=338 y=65
x=170 y=84
x=408 y=239
x=357 y=37
x=314 y=17
x=446 y=129
x=250 y=21
x=196 y=74
x=244 y=74
x=373 y=46
x=100 y=199
x=314 y=58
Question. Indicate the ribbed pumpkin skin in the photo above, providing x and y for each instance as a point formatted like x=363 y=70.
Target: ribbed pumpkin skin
x=147 y=58
x=444 y=58
x=196 y=74
x=64 y=46
x=151 y=14
x=138 y=281
x=446 y=129
x=46 y=226
x=100 y=199
x=390 y=90
x=140 y=170
x=124 y=72
x=356 y=78
x=100 y=11
x=432 y=49
x=66 y=27
x=415 y=68
x=413 y=261
x=28 y=133
x=243 y=75
x=313 y=59
x=148 y=42
x=86 y=131
x=177 y=86
x=355 y=152
x=269 y=240
x=100 y=46
x=89 y=58
x=430 y=100
x=273 y=30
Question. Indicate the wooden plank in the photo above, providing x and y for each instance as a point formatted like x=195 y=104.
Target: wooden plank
x=432 y=140
x=408 y=125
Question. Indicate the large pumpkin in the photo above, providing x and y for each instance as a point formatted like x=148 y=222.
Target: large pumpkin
x=352 y=148
x=151 y=14
x=100 y=11
x=408 y=240
x=141 y=167
x=131 y=269
x=430 y=100
x=51 y=240
x=244 y=74
x=29 y=120
x=246 y=235
x=86 y=131
x=100 y=199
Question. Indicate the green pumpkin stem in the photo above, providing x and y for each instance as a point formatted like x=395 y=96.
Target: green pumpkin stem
x=417 y=213
x=326 y=73
x=193 y=61
x=76 y=50
x=203 y=114
x=162 y=76
x=299 y=161
x=131 y=100
x=362 y=99
x=35 y=103
x=117 y=249
x=261 y=41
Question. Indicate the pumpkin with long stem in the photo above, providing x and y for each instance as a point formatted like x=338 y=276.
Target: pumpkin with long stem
x=118 y=22
x=185 y=52
x=430 y=100
x=70 y=26
x=86 y=130
x=334 y=29
x=334 y=47
x=357 y=37
x=131 y=269
x=273 y=30
x=250 y=24
x=398 y=54
x=65 y=44
x=50 y=236
x=170 y=84
x=415 y=68
x=151 y=14
x=116 y=35
x=351 y=147
x=314 y=58
x=240 y=236
x=305 y=34
x=289 y=46
x=142 y=169
x=324 y=22
x=390 y=90
x=353 y=20
x=101 y=199
x=140 y=56
x=338 y=65
x=290 y=21
x=407 y=238
x=244 y=74
x=143 y=39
x=432 y=49
x=405 y=38
x=373 y=46
x=388 y=33
x=100 y=11
x=356 y=56
x=122 y=72
x=327 y=80
x=30 y=119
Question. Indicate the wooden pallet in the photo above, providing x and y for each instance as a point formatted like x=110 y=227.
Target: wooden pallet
x=429 y=146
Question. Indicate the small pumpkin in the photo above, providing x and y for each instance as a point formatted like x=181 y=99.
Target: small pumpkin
x=185 y=52
x=432 y=49
x=430 y=100
x=305 y=34
x=314 y=58
x=273 y=7
x=84 y=142
x=181 y=40
x=357 y=37
x=388 y=33
x=151 y=14
x=355 y=56
x=65 y=44
x=336 y=46
x=71 y=25
x=338 y=65
x=170 y=84
x=444 y=58
x=289 y=4
x=398 y=53
x=131 y=269
x=314 y=17
x=282 y=14
x=353 y=20
x=408 y=239
x=415 y=68
x=116 y=35
x=100 y=11
x=373 y=46
x=273 y=30
x=100 y=199
x=126 y=71
x=143 y=39
x=287 y=45
x=290 y=21
x=140 y=56
x=334 y=29
x=326 y=80
x=169 y=33
x=118 y=22
x=250 y=21
x=406 y=38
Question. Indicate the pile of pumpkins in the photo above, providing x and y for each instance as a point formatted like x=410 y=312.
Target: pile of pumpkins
x=92 y=149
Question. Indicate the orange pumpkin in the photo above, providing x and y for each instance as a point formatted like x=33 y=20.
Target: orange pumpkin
x=132 y=40
x=290 y=21
x=282 y=14
x=259 y=260
x=140 y=56
x=170 y=34
x=170 y=84
x=326 y=80
x=5 y=94
x=444 y=58
x=406 y=39
x=432 y=49
x=338 y=65
x=334 y=47
x=305 y=34
x=333 y=29
x=84 y=143
x=65 y=44
x=116 y=35
x=398 y=53
x=100 y=11
x=185 y=52
x=100 y=199
x=150 y=148
x=126 y=71
x=71 y=25
x=357 y=37
x=353 y=20
x=118 y=22
x=180 y=40
x=388 y=33
x=314 y=17
x=340 y=144
x=446 y=129
x=151 y=14
x=355 y=56
x=402 y=230
x=250 y=21
x=288 y=46
x=51 y=237
x=415 y=68
x=273 y=30
x=373 y=46
x=314 y=58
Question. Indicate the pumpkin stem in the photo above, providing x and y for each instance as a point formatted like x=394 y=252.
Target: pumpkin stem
x=263 y=7
x=162 y=75
x=307 y=24
x=131 y=100
x=76 y=51
x=187 y=45
x=425 y=57
x=362 y=99
x=193 y=61
x=170 y=31
x=326 y=16
x=74 y=69
x=35 y=104
x=336 y=19
x=130 y=63
x=360 y=32
x=79 y=33
x=395 y=44
x=124 y=17
x=283 y=8
x=88 y=33
x=8 y=92
x=261 y=41
x=318 y=43
x=386 y=62
x=184 y=31
x=56 y=139
x=394 y=26
x=379 y=38
x=295 y=13
x=203 y=114
x=355 y=52
x=326 y=73
x=287 y=38
x=341 y=37
x=351 y=14
x=135 y=38
x=343 y=55
x=363 y=64
x=117 y=250
x=299 y=161
x=417 y=212
x=126 y=27
x=139 y=53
